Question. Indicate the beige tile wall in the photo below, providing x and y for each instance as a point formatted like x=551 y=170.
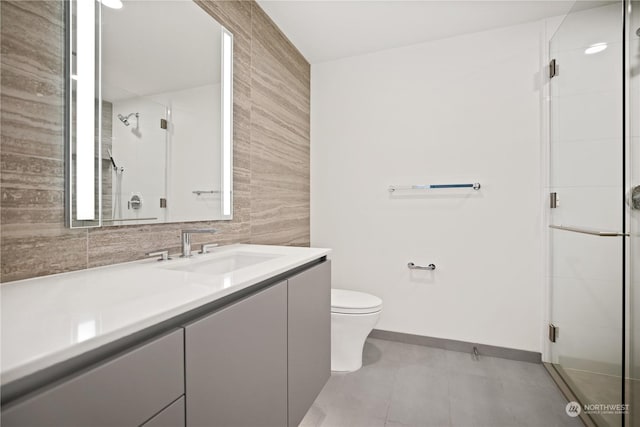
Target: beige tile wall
x=271 y=146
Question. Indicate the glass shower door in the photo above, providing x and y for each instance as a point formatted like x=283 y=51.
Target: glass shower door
x=633 y=174
x=587 y=183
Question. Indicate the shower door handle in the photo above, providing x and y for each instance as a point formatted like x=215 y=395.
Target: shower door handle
x=589 y=231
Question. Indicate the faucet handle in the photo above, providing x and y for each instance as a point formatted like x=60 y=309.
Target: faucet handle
x=207 y=247
x=164 y=255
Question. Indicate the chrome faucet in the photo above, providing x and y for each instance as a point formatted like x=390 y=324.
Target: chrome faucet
x=186 y=239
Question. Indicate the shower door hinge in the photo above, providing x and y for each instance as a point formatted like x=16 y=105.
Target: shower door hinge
x=553 y=68
x=553 y=200
x=553 y=332
x=163 y=123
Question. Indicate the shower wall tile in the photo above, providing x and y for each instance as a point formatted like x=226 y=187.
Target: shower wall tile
x=271 y=147
x=594 y=163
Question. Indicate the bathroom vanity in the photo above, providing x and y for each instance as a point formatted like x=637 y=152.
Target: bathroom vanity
x=237 y=337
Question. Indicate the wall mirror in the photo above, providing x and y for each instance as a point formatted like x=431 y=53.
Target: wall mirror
x=149 y=113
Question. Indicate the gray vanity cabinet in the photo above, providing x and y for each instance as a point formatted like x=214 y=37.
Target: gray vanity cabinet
x=171 y=416
x=125 y=391
x=236 y=363
x=260 y=360
x=309 y=338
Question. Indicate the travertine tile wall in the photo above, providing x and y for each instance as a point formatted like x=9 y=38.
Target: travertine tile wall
x=107 y=167
x=271 y=146
x=280 y=125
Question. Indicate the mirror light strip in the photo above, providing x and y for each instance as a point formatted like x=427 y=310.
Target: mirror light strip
x=227 y=111
x=85 y=110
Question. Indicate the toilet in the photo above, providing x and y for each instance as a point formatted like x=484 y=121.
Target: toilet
x=353 y=316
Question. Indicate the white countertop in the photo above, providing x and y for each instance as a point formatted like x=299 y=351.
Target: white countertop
x=47 y=320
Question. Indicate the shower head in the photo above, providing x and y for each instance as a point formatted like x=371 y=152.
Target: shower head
x=125 y=120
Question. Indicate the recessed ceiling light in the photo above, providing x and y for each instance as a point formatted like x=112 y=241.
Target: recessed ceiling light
x=113 y=4
x=595 y=48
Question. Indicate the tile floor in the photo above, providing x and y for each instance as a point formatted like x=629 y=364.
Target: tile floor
x=597 y=388
x=403 y=385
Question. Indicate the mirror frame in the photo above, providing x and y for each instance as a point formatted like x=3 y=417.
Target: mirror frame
x=83 y=124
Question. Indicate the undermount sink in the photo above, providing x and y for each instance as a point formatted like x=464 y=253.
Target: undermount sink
x=224 y=263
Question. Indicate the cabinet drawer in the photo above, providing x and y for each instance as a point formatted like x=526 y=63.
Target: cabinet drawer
x=124 y=391
x=172 y=416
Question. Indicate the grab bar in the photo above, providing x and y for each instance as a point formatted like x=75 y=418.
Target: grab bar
x=392 y=188
x=199 y=192
x=129 y=219
x=412 y=266
x=589 y=231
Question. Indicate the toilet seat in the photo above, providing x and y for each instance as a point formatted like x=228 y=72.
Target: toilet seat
x=352 y=302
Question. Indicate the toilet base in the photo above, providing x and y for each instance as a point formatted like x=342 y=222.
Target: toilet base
x=348 y=335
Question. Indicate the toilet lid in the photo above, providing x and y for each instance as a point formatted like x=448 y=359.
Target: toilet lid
x=352 y=302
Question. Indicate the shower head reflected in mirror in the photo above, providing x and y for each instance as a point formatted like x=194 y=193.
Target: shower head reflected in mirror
x=125 y=119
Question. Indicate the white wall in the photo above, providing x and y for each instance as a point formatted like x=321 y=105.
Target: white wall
x=464 y=109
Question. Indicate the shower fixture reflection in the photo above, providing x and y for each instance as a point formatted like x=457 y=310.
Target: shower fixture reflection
x=125 y=119
x=113 y=163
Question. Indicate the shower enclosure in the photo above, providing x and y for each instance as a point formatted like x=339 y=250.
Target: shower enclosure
x=593 y=228
x=135 y=167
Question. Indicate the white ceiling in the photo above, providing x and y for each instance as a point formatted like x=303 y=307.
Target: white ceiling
x=151 y=47
x=332 y=29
